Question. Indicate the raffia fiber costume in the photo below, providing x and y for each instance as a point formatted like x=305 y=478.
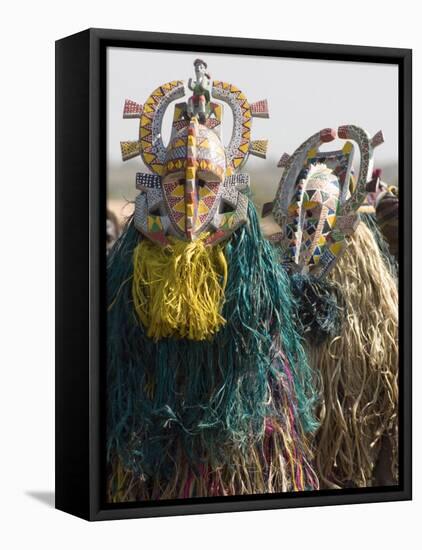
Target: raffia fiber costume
x=209 y=391
x=347 y=300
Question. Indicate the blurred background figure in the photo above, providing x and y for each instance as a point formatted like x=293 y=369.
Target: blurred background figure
x=112 y=230
x=382 y=204
x=387 y=213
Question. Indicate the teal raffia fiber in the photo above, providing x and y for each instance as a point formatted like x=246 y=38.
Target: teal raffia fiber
x=205 y=398
x=320 y=307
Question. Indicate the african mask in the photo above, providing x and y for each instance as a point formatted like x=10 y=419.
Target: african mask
x=194 y=189
x=314 y=205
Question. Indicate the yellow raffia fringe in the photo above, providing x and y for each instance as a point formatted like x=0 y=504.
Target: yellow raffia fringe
x=179 y=290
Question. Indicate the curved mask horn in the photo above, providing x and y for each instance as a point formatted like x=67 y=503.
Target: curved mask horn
x=292 y=167
x=366 y=146
x=241 y=145
x=150 y=143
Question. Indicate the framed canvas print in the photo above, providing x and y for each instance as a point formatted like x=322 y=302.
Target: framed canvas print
x=233 y=274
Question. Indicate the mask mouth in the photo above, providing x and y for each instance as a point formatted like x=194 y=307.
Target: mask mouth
x=178 y=291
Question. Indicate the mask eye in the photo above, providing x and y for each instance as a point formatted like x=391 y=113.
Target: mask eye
x=225 y=208
x=155 y=212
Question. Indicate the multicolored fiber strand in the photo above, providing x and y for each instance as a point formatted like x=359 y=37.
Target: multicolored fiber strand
x=212 y=416
x=278 y=463
x=358 y=372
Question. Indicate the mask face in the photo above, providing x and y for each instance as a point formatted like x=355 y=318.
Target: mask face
x=311 y=214
x=193 y=197
x=192 y=186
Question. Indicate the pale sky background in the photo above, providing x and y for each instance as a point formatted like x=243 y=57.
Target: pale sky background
x=304 y=96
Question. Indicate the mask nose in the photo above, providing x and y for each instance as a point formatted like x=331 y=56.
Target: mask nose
x=190 y=179
x=190 y=207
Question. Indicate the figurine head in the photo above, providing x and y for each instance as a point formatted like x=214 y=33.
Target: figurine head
x=200 y=68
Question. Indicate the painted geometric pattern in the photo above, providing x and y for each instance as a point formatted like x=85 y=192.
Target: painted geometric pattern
x=292 y=166
x=175 y=196
x=230 y=195
x=238 y=147
x=326 y=261
x=324 y=257
x=208 y=166
x=190 y=201
x=203 y=164
x=259 y=148
x=130 y=149
x=179 y=113
x=141 y=212
x=132 y=109
x=151 y=144
x=366 y=147
x=147 y=181
x=348 y=223
x=154 y=223
x=225 y=224
x=340 y=162
x=179 y=124
x=259 y=109
x=240 y=181
x=216 y=111
x=208 y=199
x=210 y=154
x=176 y=152
x=311 y=215
x=207 y=139
x=154 y=199
x=212 y=123
x=208 y=157
x=377 y=139
x=241 y=212
x=282 y=163
x=175 y=165
x=207 y=195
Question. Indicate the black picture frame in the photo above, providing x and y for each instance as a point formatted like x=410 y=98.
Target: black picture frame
x=80 y=270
